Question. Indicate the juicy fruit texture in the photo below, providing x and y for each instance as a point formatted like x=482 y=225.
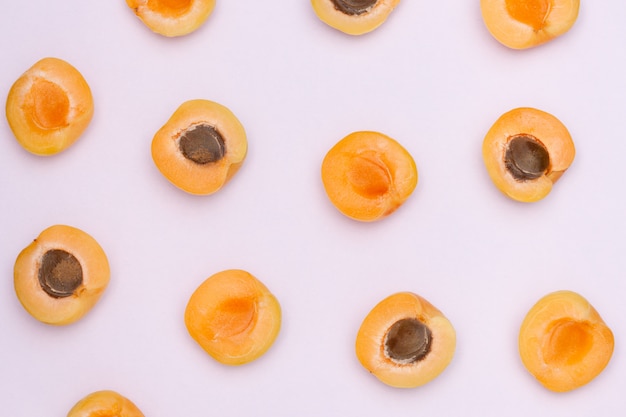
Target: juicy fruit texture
x=368 y=175
x=521 y=24
x=49 y=107
x=405 y=341
x=563 y=341
x=105 y=403
x=526 y=151
x=233 y=317
x=200 y=147
x=61 y=275
x=354 y=17
x=172 y=17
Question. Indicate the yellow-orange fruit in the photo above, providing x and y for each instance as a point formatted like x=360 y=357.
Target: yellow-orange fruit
x=354 y=17
x=172 y=17
x=105 y=403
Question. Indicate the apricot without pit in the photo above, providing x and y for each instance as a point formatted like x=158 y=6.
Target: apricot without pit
x=61 y=275
x=521 y=24
x=172 y=17
x=563 y=341
x=405 y=341
x=200 y=147
x=49 y=107
x=354 y=17
x=105 y=403
x=526 y=151
x=233 y=317
x=368 y=175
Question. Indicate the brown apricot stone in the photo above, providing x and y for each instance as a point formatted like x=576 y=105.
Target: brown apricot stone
x=521 y=24
x=49 y=107
x=172 y=17
x=61 y=275
x=563 y=341
x=200 y=147
x=368 y=175
x=105 y=403
x=526 y=151
x=233 y=317
x=405 y=341
x=354 y=17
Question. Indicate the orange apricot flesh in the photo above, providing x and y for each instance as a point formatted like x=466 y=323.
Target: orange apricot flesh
x=563 y=341
x=172 y=18
x=49 y=107
x=526 y=151
x=61 y=275
x=405 y=341
x=368 y=175
x=522 y=24
x=354 y=17
x=105 y=403
x=200 y=147
x=233 y=317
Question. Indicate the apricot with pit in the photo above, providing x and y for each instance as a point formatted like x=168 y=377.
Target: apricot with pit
x=354 y=17
x=526 y=151
x=49 y=107
x=563 y=341
x=521 y=24
x=201 y=147
x=61 y=275
x=172 y=18
x=105 y=403
x=405 y=341
x=233 y=317
x=368 y=175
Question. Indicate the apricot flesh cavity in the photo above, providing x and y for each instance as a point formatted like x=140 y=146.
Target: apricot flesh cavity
x=200 y=147
x=233 y=317
x=105 y=403
x=49 y=107
x=526 y=151
x=405 y=341
x=563 y=341
x=368 y=175
x=354 y=17
x=521 y=24
x=61 y=275
x=172 y=17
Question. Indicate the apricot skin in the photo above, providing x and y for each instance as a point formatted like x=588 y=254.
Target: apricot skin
x=49 y=107
x=370 y=349
x=233 y=317
x=563 y=341
x=172 y=18
x=354 y=24
x=105 y=403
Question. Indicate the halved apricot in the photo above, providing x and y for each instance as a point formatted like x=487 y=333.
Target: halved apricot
x=61 y=275
x=526 y=151
x=368 y=175
x=563 y=341
x=233 y=317
x=405 y=341
x=172 y=17
x=105 y=403
x=521 y=24
x=354 y=17
x=49 y=107
x=200 y=147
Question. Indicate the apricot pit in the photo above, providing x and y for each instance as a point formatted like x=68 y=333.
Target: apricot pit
x=172 y=18
x=105 y=403
x=354 y=17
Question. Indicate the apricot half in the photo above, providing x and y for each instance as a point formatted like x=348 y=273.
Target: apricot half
x=49 y=107
x=521 y=24
x=526 y=151
x=354 y=17
x=61 y=275
x=368 y=175
x=233 y=317
x=200 y=147
x=172 y=17
x=405 y=341
x=563 y=341
x=105 y=403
